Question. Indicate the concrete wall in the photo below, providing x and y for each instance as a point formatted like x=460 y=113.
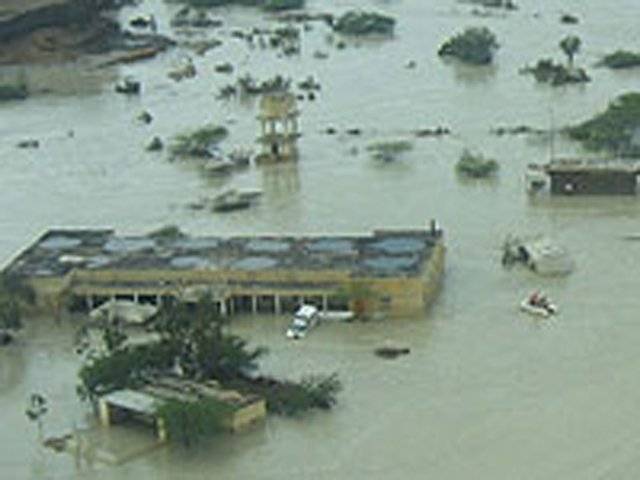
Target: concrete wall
x=596 y=182
x=246 y=416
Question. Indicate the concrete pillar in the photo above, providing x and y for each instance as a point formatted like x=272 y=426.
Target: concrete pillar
x=223 y=307
x=161 y=430
x=277 y=306
x=325 y=303
x=135 y=297
x=254 y=304
x=158 y=299
x=103 y=413
x=89 y=300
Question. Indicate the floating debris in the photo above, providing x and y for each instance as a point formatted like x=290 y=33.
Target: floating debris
x=539 y=253
x=186 y=71
x=129 y=86
x=29 y=143
x=389 y=151
x=390 y=353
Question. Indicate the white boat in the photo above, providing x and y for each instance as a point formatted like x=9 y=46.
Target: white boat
x=545 y=310
x=336 y=316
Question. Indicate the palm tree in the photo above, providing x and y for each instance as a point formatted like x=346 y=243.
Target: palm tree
x=570 y=45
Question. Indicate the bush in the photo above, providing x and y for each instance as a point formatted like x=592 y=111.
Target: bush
x=613 y=130
x=621 y=59
x=289 y=398
x=364 y=23
x=475 y=165
x=476 y=45
x=199 y=142
x=13 y=92
x=279 y=5
x=389 y=151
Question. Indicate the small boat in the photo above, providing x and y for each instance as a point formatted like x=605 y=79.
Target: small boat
x=337 y=316
x=543 y=307
x=240 y=157
x=234 y=200
x=391 y=352
x=218 y=166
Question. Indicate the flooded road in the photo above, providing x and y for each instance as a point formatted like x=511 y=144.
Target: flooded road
x=486 y=391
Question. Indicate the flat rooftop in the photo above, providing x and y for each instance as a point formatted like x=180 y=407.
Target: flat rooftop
x=592 y=165
x=380 y=254
x=13 y=8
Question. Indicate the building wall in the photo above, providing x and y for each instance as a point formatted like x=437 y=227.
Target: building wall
x=246 y=416
x=396 y=296
x=593 y=183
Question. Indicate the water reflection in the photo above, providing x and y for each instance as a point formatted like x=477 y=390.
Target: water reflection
x=12 y=366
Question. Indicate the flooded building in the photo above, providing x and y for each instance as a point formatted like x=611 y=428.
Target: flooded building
x=399 y=270
x=579 y=177
x=239 y=412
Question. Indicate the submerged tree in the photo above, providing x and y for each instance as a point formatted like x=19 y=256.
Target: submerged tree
x=476 y=45
x=570 y=45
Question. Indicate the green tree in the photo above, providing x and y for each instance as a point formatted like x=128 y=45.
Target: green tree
x=476 y=45
x=15 y=293
x=190 y=422
x=570 y=45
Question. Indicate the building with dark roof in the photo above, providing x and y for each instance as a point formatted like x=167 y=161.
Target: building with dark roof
x=400 y=269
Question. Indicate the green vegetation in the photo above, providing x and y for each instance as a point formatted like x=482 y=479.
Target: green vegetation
x=199 y=142
x=279 y=5
x=476 y=45
x=621 y=59
x=545 y=71
x=388 y=151
x=168 y=232
x=356 y=22
x=614 y=130
x=570 y=45
x=190 y=422
x=13 y=92
x=475 y=165
x=14 y=295
x=291 y=398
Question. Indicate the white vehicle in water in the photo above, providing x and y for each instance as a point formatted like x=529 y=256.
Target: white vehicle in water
x=126 y=311
x=305 y=318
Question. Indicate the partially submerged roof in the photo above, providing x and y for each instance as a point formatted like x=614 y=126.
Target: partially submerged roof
x=383 y=253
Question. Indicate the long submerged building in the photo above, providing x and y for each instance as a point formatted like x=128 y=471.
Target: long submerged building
x=394 y=272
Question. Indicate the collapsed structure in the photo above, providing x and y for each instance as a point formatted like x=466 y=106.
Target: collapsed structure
x=395 y=272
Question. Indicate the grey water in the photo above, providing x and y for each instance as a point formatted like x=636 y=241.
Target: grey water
x=486 y=392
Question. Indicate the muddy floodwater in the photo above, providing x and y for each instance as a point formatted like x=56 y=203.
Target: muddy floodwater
x=487 y=392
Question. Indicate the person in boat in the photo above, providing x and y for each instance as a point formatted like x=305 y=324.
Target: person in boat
x=534 y=299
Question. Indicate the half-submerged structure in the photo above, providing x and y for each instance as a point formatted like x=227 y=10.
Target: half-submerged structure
x=394 y=272
x=585 y=177
x=279 y=127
